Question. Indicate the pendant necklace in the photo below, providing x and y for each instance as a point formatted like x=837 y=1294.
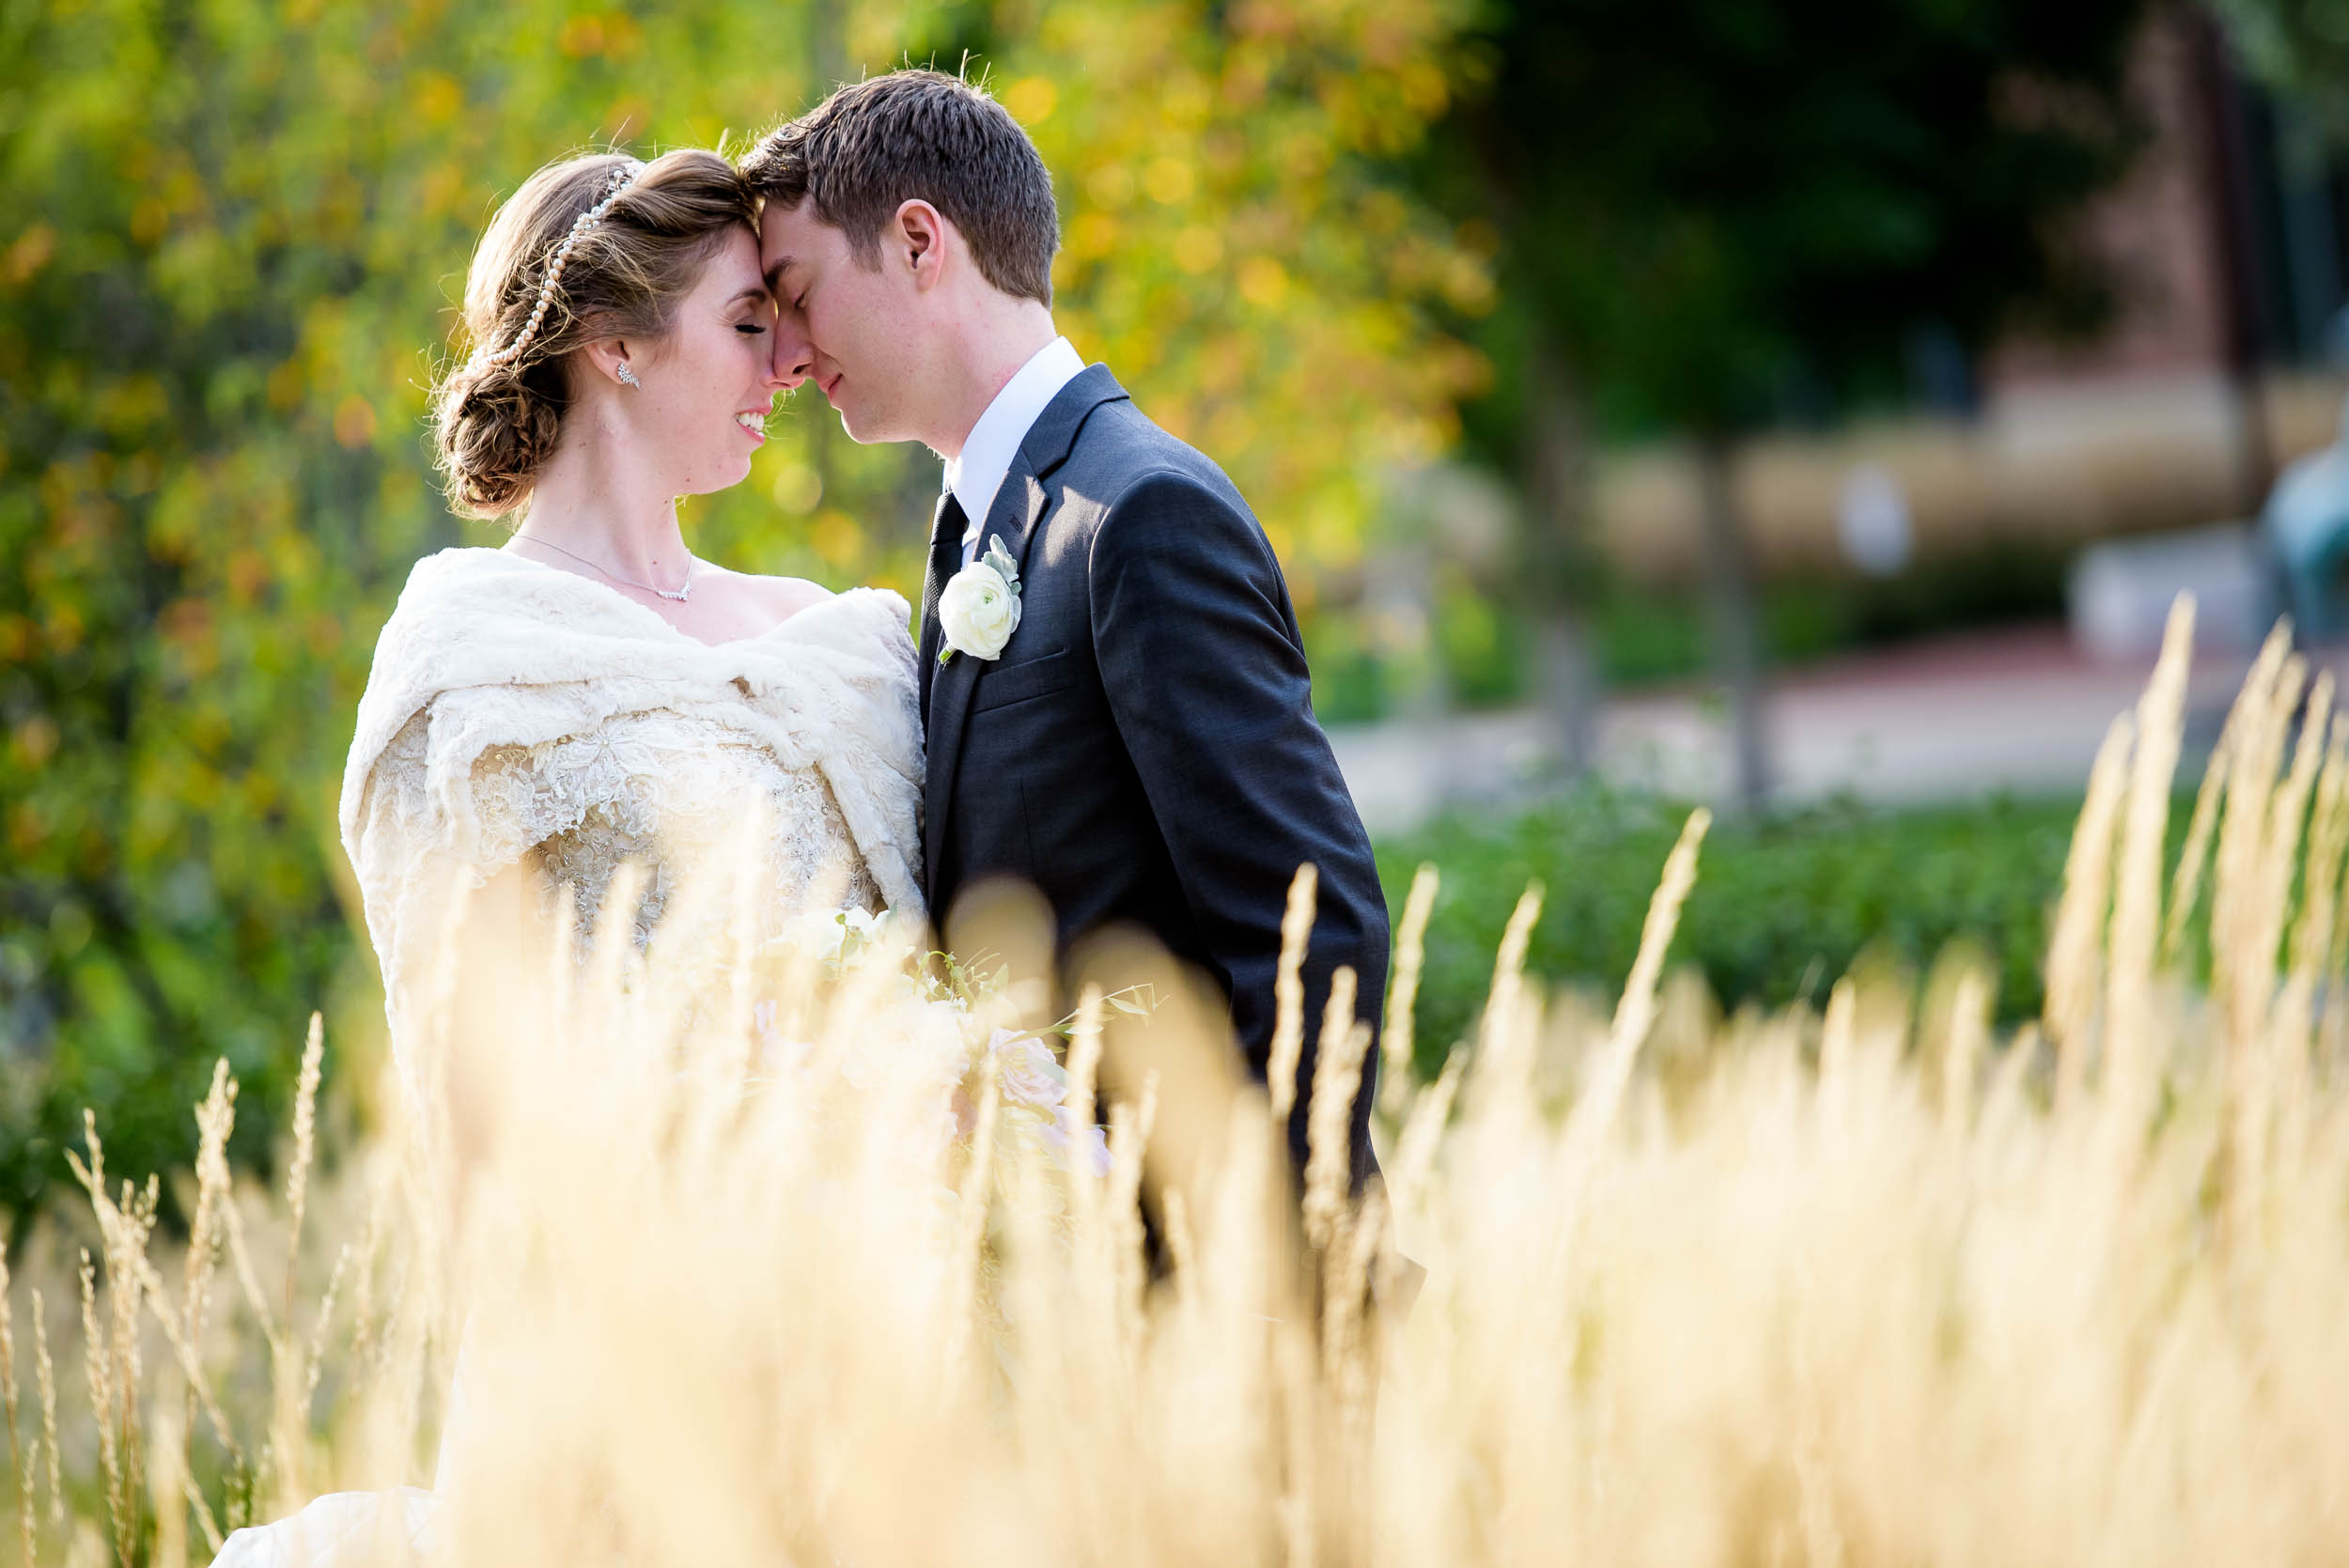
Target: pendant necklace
x=679 y=596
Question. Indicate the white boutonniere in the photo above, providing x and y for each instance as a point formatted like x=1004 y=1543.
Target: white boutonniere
x=979 y=608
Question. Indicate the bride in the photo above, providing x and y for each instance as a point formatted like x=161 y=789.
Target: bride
x=593 y=696
x=590 y=695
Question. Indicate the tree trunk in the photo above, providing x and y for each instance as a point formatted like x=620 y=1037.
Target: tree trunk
x=1736 y=622
x=2233 y=220
x=1558 y=573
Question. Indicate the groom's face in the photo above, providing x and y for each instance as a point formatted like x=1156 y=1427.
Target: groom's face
x=855 y=317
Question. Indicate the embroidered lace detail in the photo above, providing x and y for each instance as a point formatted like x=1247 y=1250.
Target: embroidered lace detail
x=656 y=791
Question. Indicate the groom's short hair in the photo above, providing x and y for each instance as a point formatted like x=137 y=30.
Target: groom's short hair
x=919 y=136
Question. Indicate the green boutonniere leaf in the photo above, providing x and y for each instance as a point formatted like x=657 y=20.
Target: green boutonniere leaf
x=1000 y=559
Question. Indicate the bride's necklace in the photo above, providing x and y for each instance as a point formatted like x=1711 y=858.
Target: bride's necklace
x=682 y=592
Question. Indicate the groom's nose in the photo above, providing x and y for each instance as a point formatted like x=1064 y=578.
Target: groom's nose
x=795 y=354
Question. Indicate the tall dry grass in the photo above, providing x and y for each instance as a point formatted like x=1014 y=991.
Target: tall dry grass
x=1876 y=1286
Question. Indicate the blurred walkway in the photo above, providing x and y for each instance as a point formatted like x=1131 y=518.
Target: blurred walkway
x=2020 y=710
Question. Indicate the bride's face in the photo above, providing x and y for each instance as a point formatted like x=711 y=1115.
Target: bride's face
x=707 y=388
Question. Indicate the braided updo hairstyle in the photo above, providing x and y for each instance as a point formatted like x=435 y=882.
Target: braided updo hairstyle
x=496 y=424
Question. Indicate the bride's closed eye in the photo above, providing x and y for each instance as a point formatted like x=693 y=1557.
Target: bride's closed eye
x=757 y=325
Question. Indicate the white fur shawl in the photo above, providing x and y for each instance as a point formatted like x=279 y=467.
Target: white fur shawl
x=503 y=651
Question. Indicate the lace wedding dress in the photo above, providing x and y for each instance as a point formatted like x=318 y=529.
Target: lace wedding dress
x=519 y=715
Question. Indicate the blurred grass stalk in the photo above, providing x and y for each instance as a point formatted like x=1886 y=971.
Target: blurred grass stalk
x=1871 y=1287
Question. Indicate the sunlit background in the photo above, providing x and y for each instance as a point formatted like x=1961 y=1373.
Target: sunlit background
x=1808 y=407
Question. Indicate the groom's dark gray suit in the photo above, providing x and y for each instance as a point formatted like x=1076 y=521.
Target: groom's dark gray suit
x=1145 y=749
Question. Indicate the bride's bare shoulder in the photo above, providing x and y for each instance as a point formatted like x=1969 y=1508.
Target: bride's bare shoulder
x=781 y=597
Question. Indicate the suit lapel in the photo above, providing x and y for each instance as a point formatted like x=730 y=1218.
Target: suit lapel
x=1019 y=506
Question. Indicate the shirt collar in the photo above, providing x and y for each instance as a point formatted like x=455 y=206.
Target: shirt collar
x=994 y=441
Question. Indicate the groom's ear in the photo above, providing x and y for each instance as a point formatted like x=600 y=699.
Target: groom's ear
x=918 y=234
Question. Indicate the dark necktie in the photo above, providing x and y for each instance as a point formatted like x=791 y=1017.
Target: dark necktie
x=945 y=559
x=945 y=552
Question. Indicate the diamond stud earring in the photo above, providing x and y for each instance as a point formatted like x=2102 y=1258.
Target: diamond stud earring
x=628 y=377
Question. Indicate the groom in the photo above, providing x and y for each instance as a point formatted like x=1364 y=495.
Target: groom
x=1142 y=747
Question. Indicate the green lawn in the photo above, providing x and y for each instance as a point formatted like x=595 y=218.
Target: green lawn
x=1782 y=907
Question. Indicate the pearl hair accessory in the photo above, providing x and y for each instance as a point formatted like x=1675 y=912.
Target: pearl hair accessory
x=619 y=181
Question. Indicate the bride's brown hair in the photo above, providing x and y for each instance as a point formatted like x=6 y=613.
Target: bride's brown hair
x=497 y=415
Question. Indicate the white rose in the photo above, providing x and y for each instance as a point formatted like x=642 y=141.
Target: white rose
x=978 y=612
x=1028 y=1073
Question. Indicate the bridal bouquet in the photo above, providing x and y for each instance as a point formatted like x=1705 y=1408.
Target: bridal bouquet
x=947 y=1047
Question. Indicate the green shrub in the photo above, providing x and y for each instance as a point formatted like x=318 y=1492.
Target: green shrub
x=1782 y=905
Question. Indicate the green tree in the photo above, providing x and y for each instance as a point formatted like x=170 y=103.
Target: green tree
x=236 y=235
x=2297 y=48
x=1719 y=213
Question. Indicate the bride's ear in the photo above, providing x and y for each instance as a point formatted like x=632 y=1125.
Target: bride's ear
x=607 y=358
x=918 y=237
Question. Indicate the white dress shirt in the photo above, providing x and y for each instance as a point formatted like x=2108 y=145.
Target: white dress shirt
x=994 y=441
